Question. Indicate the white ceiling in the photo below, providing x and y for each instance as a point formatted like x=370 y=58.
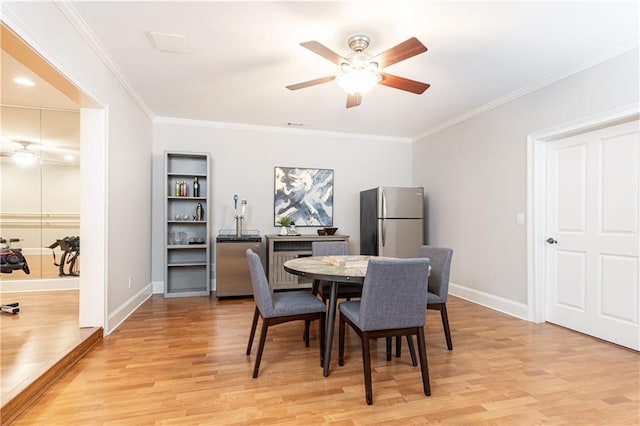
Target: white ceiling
x=38 y=116
x=243 y=54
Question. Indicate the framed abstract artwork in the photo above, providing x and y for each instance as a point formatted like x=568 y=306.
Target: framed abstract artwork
x=305 y=196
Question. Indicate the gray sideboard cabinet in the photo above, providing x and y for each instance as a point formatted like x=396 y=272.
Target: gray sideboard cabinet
x=186 y=225
x=281 y=248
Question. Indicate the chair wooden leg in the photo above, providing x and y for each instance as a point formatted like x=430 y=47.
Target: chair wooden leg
x=306 y=333
x=388 y=341
x=321 y=333
x=366 y=362
x=341 y=341
x=412 y=350
x=422 y=350
x=445 y=325
x=263 y=339
x=307 y=323
x=253 y=331
x=314 y=287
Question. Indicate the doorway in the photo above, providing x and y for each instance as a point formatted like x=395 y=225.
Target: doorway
x=85 y=307
x=583 y=237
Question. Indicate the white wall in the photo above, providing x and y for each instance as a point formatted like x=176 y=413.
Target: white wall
x=475 y=175
x=122 y=198
x=243 y=161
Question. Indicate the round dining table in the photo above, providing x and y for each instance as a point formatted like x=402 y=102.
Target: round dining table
x=333 y=269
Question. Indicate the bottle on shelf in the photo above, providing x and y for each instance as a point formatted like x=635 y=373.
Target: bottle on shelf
x=199 y=212
x=177 y=192
x=196 y=187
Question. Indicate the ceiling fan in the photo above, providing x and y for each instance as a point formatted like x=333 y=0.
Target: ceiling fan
x=30 y=152
x=361 y=71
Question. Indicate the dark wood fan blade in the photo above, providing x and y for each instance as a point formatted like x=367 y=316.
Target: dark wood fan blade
x=323 y=51
x=354 y=100
x=311 y=83
x=403 y=83
x=400 y=52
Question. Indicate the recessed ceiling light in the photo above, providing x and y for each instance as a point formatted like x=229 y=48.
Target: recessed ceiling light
x=23 y=81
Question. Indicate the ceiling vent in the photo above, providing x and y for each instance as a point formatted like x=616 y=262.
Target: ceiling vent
x=173 y=43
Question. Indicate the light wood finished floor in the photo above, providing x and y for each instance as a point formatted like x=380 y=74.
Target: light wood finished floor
x=181 y=361
x=39 y=267
x=36 y=339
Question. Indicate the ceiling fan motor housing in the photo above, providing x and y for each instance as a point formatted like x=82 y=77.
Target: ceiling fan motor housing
x=359 y=60
x=358 y=43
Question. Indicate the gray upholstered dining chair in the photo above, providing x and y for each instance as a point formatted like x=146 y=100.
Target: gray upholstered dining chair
x=440 y=259
x=345 y=291
x=392 y=304
x=334 y=248
x=278 y=308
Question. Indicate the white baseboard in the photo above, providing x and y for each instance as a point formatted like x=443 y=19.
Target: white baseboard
x=497 y=303
x=119 y=315
x=53 y=284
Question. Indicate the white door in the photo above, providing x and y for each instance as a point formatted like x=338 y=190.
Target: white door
x=592 y=233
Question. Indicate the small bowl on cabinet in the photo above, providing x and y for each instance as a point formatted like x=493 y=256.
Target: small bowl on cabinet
x=331 y=231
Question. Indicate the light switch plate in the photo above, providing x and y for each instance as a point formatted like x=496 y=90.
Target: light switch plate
x=520 y=218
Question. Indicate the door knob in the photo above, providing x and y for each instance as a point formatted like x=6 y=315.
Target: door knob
x=551 y=241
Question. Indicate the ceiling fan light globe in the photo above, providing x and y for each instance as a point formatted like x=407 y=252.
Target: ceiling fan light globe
x=24 y=157
x=346 y=67
x=358 y=81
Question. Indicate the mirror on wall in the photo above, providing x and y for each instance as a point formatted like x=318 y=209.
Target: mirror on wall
x=40 y=188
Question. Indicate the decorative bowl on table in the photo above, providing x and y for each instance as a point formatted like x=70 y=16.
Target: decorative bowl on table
x=322 y=232
x=331 y=231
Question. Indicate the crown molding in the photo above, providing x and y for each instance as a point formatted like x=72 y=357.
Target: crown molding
x=518 y=94
x=70 y=12
x=259 y=128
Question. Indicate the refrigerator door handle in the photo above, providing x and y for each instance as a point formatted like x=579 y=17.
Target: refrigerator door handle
x=384 y=234
x=384 y=205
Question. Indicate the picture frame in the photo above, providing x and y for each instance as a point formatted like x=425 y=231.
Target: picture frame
x=303 y=195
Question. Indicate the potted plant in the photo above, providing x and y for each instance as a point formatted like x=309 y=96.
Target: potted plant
x=284 y=223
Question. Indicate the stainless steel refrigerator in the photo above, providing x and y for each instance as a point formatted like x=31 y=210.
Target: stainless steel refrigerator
x=391 y=221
